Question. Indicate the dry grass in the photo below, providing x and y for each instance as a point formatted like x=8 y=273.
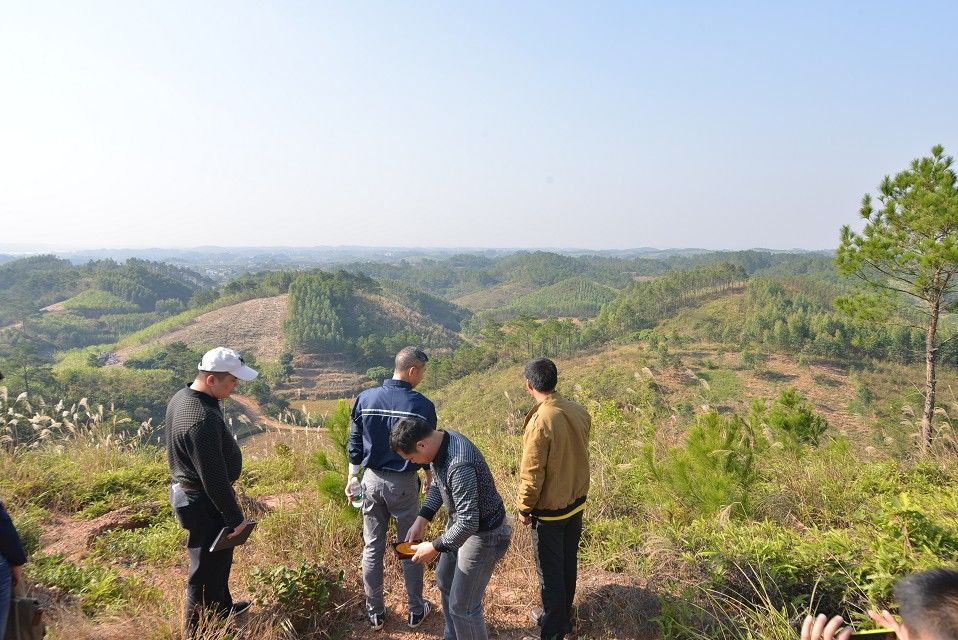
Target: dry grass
x=254 y=326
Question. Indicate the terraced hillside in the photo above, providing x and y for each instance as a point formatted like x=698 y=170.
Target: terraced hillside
x=322 y=376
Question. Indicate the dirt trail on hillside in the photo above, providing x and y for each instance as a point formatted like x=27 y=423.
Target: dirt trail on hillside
x=254 y=326
x=254 y=412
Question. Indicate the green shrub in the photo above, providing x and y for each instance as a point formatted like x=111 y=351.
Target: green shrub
x=755 y=360
x=379 y=373
x=301 y=596
x=793 y=419
x=714 y=469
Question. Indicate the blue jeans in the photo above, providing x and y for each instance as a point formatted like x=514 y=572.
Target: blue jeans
x=6 y=585
x=387 y=494
x=462 y=577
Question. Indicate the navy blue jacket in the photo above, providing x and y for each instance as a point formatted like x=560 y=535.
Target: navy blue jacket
x=10 y=546
x=374 y=414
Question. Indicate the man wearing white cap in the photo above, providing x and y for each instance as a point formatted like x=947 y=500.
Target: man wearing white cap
x=205 y=461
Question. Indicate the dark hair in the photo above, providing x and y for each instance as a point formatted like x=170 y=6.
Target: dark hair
x=407 y=432
x=410 y=357
x=219 y=375
x=928 y=602
x=542 y=374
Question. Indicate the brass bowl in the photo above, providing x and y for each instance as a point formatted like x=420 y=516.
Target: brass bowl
x=404 y=550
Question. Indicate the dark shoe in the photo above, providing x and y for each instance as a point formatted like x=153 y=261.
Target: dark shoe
x=377 y=621
x=415 y=619
x=241 y=607
x=536 y=616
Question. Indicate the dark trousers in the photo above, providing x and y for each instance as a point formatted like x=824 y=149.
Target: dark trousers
x=207 y=586
x=556 y=545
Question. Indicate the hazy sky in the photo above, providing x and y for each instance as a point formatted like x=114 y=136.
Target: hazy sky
x=596 y=124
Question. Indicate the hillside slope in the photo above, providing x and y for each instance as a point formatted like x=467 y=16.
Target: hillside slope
x=254 y=326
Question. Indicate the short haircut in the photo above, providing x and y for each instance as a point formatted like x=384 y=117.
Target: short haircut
x=219 y=375
x=542 y=374
x=410 y=357
x=407 y=432
x=928 y=602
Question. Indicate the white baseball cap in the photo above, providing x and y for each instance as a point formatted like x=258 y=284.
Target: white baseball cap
x=223 y=359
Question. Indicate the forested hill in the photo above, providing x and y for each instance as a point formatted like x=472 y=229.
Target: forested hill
x=465 y=274
x=100 y=299
x=349 y=313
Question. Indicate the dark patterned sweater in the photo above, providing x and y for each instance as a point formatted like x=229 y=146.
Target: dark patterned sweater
x=462 y=481
x=202 y=451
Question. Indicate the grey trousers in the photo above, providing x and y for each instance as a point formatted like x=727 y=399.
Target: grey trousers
x=462 y=577
x=388 y=494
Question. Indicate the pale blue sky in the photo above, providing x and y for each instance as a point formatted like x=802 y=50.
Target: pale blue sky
x=596 y=125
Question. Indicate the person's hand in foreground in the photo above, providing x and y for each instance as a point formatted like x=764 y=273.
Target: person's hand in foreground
x=888 y=621
x=418 y=530
x=524 y=519
x=821 y=628
x=424 y=552
x=238 y=530
x=16 y=575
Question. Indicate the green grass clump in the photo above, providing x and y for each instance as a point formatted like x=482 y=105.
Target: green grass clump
x=99 y=588
x=723 y=385
x=123 y=487
x=285 y=471
x=160 y=544
x=84 y=478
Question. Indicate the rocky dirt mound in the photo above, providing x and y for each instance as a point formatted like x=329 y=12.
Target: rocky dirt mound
x=72 y=537
x=254 y=326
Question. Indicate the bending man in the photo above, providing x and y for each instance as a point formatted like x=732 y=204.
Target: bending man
x=478 y=533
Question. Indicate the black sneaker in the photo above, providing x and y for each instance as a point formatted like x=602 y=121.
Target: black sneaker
x=377 y=621
x=241 y=607
x=415 y=619
x=536 y=616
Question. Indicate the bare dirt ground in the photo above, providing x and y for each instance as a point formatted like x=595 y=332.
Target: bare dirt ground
x=72 y=537
x=831 y=400
x=609 y=605
x=254 y=326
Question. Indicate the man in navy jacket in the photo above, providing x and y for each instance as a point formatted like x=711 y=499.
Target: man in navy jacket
x=12 y=559
x=390 y=484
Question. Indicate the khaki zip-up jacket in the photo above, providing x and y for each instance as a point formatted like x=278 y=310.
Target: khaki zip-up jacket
x=554 y=473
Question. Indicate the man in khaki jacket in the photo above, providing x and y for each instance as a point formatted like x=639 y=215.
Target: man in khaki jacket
x=553 y=483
